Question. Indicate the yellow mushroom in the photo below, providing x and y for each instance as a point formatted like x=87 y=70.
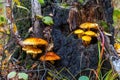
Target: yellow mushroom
x=117 y=47
x=33 y=50
x=30 y=45
x=89 y=25
x=86 y=40
x=90 y=33
x=35 y=41
x=79 y=32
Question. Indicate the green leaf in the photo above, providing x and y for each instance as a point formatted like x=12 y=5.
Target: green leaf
x=23 y=76
x=116 y=14
x=83 y=78
x=118 y=39
x=81 y=1
x=11 y=75
x=41 y=2
x=1 y=5
x=64 y=5
x=47 y=20
x=104 y=25
x=110 y=75
x=2 y=20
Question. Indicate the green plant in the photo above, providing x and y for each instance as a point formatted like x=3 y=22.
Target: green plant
x=23 y=76
x=19 y=75
x=11 y=75
x=47 y=20
x=110 y=75
x=42 y=2
x=116 y=15
x=2 y=20
x=83 y=78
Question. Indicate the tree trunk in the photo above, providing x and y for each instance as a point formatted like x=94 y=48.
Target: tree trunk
x=74 y=55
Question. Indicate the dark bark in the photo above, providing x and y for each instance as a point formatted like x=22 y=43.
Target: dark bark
x=71 y=50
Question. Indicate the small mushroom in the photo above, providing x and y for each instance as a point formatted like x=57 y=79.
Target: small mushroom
x=79 y=32
x=30 y=45
x=34 y=41
x=32 y=50
x=91 y=33
x=86 y=40
x=50 y=56
x=117 y=47
x=89 y=25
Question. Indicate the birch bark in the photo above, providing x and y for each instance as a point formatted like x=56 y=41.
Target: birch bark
x=36 y=10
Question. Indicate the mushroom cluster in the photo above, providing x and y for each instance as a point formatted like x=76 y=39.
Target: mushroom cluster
x=30 y=45
x=86 y=32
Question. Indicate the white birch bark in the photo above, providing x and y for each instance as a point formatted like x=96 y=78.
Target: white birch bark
x=36 y=10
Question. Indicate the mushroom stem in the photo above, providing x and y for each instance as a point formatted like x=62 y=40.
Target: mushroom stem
x=52 y=62
x=86 y=40
x=86 y=43
x=34 y=55
x=79 y=36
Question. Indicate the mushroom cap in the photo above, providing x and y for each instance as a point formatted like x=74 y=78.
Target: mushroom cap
x=1 y=47
x=117 y=47
x=50 y=56
x=90 y=33
x=34 y=51
x=27 y=47
x=79 y=31
x=35 y=41
x=2 y=30
x=31 y=49
x=88 y=25
x=86 y=38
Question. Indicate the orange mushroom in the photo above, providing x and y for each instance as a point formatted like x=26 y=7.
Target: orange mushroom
x=50 y=56
x=2 y=30
x=1 y=49
x=32 y=50
x=35 y=41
